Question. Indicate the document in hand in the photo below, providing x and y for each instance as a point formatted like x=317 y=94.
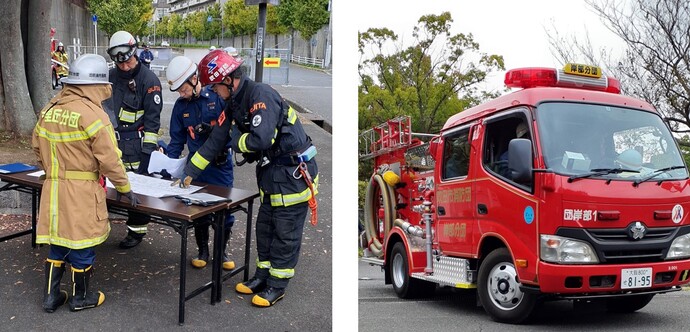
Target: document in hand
x=159 y=161
x=202 y=199
x=16 y=168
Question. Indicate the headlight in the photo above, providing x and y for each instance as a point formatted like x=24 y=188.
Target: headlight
x=680 y=248
x=562 y=250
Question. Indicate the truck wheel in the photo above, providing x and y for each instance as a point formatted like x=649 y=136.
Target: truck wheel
x=405 y=286
x=54 y=80
x=627 y=304
x=499 y=289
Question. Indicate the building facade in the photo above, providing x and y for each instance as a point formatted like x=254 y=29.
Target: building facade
x=185 y=7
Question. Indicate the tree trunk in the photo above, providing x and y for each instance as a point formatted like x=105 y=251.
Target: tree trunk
x=3 y=114
x=38 y=51
x=20 y=113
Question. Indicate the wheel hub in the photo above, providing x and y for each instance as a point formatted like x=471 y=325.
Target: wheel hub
x=504 y=288
x=398 y=271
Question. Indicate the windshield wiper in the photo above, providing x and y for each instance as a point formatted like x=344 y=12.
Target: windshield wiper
x=655 y=173
x=600 y=172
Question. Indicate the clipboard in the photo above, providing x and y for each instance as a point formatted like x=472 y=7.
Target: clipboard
x=16 y=168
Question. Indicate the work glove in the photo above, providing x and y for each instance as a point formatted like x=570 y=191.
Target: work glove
x=133 y=200
x=203 y=128
x=251 y=157
x=184 y=181
x=235 y=134
x=165 y=175
x=144 y=164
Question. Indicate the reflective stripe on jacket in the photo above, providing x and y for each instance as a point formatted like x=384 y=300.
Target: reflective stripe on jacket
x=75 y=143
x=264 y=123
x=138 y=106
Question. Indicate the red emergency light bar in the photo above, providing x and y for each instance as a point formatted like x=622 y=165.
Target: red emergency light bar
x=550 y=77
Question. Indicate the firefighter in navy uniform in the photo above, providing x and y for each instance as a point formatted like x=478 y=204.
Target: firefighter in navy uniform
x=138 y=103
x=194 y=115
x=264 y=128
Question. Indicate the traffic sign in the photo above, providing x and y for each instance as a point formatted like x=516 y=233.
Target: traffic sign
x=94 y=18
x=271 y=62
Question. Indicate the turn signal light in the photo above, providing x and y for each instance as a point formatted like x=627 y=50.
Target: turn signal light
x=608 y=215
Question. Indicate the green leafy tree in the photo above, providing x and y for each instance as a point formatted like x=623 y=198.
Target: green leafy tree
x=195 y=23
x=434 y=78
x=273 y=24
x=213 y=28
x=309 y=16
x=162 y=27
x=176 y=27
x=240 y=19
x=129 y=15
x=285 y=16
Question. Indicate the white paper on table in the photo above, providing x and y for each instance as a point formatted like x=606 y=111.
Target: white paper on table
x=160 y=161
x=37 y=173
x=155 y=187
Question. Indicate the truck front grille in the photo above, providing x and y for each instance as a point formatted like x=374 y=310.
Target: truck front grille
x=613 y=246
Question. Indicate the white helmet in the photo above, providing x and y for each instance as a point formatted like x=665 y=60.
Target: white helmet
x=232 y=51
x=88 y=69
x=60 y=44
x=212 y=48
x=122 y=46
x=180 y=70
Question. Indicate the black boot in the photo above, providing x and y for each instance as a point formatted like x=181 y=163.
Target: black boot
x=268 y=296
x=227 y=263
x=201 y=234
x=251 y=286
x=53 y=297
x=132 y=240
x=82 y=298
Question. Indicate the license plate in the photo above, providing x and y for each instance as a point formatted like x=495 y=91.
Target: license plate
x=636 y=278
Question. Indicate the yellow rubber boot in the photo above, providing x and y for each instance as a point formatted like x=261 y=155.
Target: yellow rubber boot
x=251 y=286
x=268 y=297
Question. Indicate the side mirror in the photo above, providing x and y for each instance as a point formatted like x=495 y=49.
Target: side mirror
x=520 y=160
x=433 y=146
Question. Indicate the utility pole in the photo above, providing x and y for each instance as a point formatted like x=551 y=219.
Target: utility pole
x=95 y=33
x=327 y=56
x=260 y=34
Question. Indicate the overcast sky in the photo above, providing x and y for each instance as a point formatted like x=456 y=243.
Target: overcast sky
x=513 y=29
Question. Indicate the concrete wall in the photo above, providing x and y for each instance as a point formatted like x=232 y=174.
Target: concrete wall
x=72 y=21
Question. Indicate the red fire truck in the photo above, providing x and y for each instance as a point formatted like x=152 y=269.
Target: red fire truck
x=564 y=189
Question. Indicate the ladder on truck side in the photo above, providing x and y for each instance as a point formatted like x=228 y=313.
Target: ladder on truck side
x=388 y=136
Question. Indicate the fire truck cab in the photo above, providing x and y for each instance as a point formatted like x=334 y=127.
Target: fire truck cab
x=564 y=189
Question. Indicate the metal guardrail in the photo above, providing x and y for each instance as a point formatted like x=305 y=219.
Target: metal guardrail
x=307 y=61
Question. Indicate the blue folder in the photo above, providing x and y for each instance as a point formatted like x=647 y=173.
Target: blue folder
x=16 y=168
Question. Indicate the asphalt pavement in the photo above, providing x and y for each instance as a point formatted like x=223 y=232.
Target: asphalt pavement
x=449 y=309
x=141 y=284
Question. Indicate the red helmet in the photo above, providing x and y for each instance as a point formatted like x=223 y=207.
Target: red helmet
x=217 y=65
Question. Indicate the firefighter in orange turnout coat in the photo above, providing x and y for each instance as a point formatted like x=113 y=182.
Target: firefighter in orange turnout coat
x=75 y=145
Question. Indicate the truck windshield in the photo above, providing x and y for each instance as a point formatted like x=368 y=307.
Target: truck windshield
x=600 y=141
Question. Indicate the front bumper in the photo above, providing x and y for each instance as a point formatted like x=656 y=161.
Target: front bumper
x=574 y=279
